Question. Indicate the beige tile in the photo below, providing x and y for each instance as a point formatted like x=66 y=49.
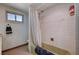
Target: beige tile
x=18 y=51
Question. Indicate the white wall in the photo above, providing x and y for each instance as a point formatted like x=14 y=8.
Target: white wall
x=0 y=44
x=19 y=35
x=58 y=24
x=77 y=28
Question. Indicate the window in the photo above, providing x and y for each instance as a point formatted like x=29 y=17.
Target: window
x=14 y=17
x=11 y=16
x=19 y=18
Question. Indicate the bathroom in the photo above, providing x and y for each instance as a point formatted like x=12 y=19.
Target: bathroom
x=50 y=26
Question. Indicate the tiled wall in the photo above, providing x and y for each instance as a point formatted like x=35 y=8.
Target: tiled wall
x=19 y=35
x=57 y=23
x=77 y=28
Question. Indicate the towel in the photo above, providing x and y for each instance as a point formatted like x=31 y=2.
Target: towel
x=41 y=51
x=8 y=30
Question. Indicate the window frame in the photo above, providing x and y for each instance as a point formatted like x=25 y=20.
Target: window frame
x=15 y=17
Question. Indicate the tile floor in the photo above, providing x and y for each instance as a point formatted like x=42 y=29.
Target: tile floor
x=18 y=51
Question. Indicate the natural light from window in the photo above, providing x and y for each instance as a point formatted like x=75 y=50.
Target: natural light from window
x=14 y=17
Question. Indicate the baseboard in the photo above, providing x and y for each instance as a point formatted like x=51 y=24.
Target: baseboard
x=15 y=47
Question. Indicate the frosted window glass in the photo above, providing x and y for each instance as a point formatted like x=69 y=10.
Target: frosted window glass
x=19 y=18
x=11 y=16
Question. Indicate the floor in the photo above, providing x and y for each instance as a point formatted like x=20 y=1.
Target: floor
x=55 y=50
x=23 y=50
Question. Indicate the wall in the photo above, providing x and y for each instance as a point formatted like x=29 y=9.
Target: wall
x=0 y=44
x=19 y=35
x=58 y=24
x=77 y=28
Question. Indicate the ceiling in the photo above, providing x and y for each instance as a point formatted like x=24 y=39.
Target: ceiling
x=21 y=6
x=25 y=6
x=43 y=6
